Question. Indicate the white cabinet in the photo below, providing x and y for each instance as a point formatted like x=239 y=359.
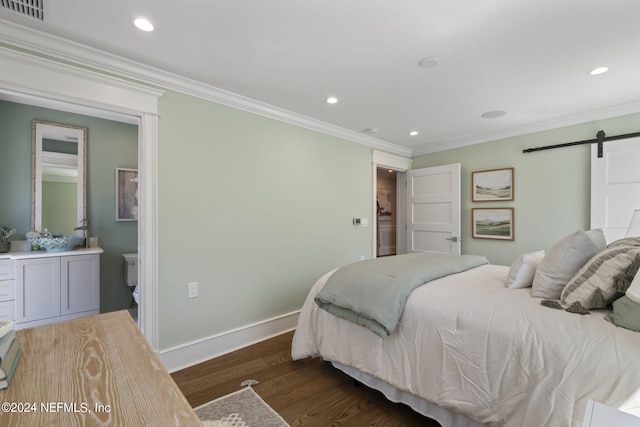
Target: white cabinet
x=7 y=289
x=37 y=289
x=50 y=289
x=80 y=284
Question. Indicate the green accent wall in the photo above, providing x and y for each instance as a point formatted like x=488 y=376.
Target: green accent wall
x=254 y=210
x=552 y=188
x=110 y=144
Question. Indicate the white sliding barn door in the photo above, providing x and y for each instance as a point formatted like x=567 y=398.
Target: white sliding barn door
x=615 y=186
x=433 y=209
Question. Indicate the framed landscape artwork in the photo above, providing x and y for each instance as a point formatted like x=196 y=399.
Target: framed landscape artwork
x=492 y=223
x=126 y=194
x=492 y=185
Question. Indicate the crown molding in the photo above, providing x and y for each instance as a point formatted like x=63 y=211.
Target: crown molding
x=574 y=119
x=58 y=49
x=399 y=163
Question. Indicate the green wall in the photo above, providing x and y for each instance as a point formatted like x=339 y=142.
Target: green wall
x=552 y=188
x=254 y=210
x=110 y=145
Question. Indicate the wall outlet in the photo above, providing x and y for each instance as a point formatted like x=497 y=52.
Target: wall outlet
x=192 y=289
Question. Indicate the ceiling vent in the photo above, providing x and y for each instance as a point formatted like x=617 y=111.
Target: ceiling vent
x=30 y=8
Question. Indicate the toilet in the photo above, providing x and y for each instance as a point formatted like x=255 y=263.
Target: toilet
x=131 y=274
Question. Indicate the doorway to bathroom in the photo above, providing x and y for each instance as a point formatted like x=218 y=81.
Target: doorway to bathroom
x=42 y=82
x=386 y=212
x=58 y=203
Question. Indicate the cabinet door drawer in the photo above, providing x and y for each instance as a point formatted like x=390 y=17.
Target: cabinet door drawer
x=6 y=269
x=7 y=290
x=37 y=289
x=7 y=310
x=80 y=283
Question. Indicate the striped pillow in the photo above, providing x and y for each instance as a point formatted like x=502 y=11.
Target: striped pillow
x=601 y=280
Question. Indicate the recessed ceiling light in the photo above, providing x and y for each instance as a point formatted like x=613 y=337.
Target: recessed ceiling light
x=599 y=70
x=429 y=62
x=413 y=133
x=370 y=130
x=332 y=100
x=143 y=24
x=493 y=114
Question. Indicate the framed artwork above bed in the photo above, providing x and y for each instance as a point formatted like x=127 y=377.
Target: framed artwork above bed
x=492 y=223
x=492 y=185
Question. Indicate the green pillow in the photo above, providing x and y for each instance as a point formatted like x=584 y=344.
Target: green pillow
x=626 y=313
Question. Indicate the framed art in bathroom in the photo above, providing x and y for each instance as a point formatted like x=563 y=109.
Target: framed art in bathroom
x=126 y=194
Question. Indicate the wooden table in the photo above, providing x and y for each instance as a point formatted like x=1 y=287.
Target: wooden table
x=97 y=370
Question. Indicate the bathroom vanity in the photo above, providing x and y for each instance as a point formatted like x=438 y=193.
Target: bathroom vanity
x=39 y=287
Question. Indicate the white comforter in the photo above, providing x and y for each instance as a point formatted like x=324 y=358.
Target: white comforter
x=471 y=346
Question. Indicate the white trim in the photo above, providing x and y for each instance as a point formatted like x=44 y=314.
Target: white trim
x=194 y=352
x=401 y=216
x=46 y=83
x=148 y=259
x=46 y=44
x=39 y=42
x=391 y=161
x=73 y=85
x=374 y=210
x=574 y=119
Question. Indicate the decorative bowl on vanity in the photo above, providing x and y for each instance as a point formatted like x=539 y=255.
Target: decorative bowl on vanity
x=57 y=244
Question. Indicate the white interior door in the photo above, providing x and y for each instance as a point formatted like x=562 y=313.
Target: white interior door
x=433 y=209
x=615 y=186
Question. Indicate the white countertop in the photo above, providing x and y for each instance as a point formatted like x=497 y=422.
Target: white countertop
x=44 y=254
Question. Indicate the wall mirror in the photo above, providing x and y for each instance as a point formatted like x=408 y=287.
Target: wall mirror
x=58 y=200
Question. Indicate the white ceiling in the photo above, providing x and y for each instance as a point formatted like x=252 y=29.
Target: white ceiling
x=528 y=58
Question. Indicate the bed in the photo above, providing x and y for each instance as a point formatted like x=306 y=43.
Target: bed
x=468 y=351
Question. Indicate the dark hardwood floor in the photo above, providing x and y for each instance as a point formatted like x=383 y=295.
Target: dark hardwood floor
x=308 y=392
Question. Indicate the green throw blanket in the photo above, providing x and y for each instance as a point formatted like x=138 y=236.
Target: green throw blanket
x=373 y=293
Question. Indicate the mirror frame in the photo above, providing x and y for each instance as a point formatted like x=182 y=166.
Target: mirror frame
x=47 y=130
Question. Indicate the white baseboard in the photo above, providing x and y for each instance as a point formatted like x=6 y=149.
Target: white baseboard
x=192 y=353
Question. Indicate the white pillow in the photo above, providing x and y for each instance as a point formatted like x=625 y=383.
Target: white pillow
x=563 y=260
x=523 y=269
x=634 y=289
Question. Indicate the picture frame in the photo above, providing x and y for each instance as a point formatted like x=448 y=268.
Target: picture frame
x=384 y=204
x=493 y=223
x=126 y=194
x=492 y=185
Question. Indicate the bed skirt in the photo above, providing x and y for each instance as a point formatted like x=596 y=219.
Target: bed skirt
x=444 y=417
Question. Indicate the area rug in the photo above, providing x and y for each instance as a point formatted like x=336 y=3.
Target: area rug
x=243 y=408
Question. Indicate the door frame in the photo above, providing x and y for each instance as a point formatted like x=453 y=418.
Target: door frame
x=400 y=164
x=46 y=83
